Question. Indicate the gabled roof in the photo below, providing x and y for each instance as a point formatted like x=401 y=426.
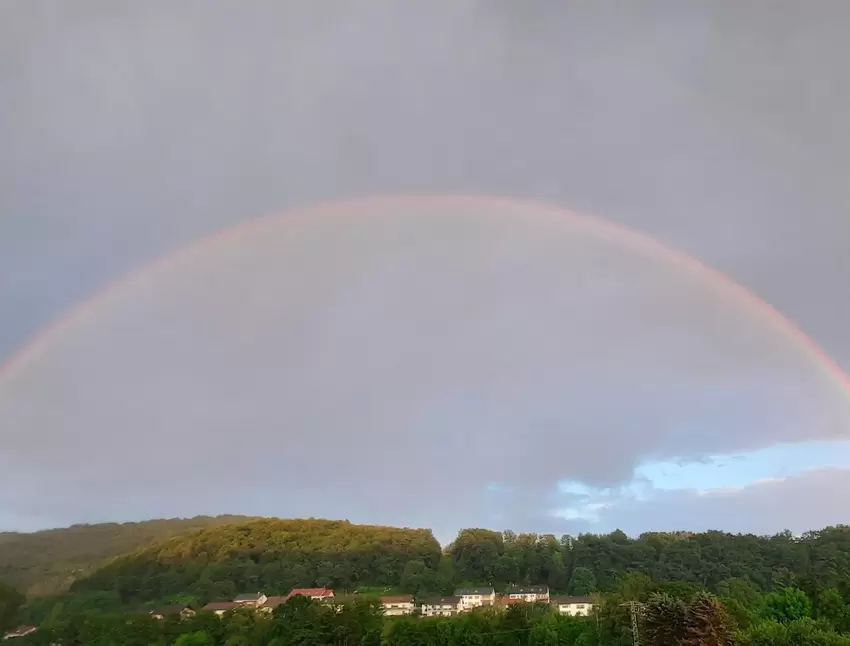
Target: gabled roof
x=400 y=598
x=220 y=605
x=569 y=600
x=442 y=601
x=251 y=597
x=528 y=589
x=468 y=591
x=311 y=592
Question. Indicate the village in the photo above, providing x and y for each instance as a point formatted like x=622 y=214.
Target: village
x=463 y=599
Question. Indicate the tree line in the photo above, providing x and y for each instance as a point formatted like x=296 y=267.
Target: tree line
x=666 y=613
x=277 y=555
x=208 y=556
x=48 y=561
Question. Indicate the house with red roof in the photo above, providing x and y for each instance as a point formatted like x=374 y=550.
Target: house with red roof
x=318 y=594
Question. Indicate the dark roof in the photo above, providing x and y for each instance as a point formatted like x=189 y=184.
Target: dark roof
x=251 y=596
x=463 y=591
x=528 y=589
x=169 y=610
x=566 y=600
x=441 y=601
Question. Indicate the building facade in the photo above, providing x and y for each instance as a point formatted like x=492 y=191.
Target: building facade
x=440 y=607
x=573 y=606
x=397 y=605
x=475 y=597
x=529 y=593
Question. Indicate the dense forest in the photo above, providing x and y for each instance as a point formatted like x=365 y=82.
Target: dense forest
x=276 y=555
x=47 y=562
x=272 y=555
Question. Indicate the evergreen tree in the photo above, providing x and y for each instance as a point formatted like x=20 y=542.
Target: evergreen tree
x=707 y=622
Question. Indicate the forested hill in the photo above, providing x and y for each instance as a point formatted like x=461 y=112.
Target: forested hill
x=706 y=560
x=276 y=555
x=47 y=562
x=272 y=555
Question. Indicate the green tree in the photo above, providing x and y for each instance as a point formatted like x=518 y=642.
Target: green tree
x=664 y=620
x=787 y=605
x=415 y=577
x=742 y=600
x=831 y=608
x=194 y=639
x=800 y=632
x=10 y=604
x=582 y=581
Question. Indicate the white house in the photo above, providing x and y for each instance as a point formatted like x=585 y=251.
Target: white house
x=397 y=605
x=529 y=593
x=441 y=607
x=475 y=597
x=574 y=606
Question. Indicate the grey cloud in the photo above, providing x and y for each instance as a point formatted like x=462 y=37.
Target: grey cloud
x=130 y=130
x=388 y=364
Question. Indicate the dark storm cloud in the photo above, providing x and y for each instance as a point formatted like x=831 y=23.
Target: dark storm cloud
x=131 y=129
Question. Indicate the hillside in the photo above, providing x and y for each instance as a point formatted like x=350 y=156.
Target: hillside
x=47 y=562
x=269 y=554
x=276 y=555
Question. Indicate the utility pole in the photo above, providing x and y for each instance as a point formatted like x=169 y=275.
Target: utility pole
x=634 y=611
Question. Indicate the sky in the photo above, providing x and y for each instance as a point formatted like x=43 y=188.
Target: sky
x=484 y=369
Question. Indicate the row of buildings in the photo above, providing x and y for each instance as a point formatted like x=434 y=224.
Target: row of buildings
x=468 y=598
x=462 y=600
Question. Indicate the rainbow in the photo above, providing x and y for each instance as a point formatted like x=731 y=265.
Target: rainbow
x=625 y=236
